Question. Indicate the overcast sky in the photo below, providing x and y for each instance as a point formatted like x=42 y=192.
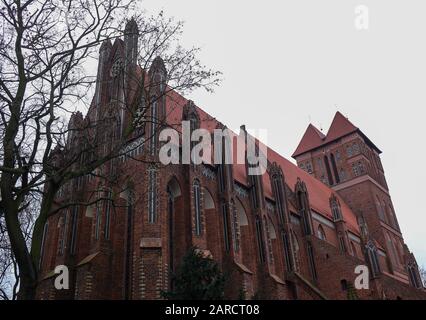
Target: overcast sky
x=288 y=63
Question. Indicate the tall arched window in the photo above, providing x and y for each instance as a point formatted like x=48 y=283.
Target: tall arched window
x=254 y=190
x=373 y=259
x=108 y=205
x=327 y=168
x=197 y=208
x=392 y=250
x=154 y=123
x=321 y=233
x=280 y=197
x=279 y=193
x=225 y=226
x=259 y=237
x=304 y=208
x=74 y=221
x=98 y=216
x=63 y=236
x=336 y=173
x=152 y=195
x=287 y=253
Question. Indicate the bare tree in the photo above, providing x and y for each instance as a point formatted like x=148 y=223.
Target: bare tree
x=44 y=48
x=422 y=271
x=9 y=272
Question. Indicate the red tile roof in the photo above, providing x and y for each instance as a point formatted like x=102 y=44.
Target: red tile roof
x=319 y=193
x=310 y=140
x=340 y=127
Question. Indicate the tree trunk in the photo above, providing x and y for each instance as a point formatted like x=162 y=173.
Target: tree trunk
x=27 y=288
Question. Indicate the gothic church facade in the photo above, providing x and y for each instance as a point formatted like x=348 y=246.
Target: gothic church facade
x=295 y=232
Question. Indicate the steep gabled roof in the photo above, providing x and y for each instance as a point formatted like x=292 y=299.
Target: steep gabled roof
x=340 y=127
x=310 y=140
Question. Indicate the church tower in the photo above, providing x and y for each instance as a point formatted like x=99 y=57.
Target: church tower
x=131 y=34
x=349 y=162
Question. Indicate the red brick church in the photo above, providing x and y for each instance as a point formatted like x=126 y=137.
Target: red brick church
x=295 y=232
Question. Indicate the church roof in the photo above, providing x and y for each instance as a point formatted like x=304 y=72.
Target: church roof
x=310 y=140
x=339 y=128
x=319 y=193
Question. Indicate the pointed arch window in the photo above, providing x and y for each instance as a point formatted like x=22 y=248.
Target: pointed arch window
x=334 y=166
x=259 y=237
x=222 y=169
x=287 y=254
x=63 y=236
x=373 y=259
x=98 y=217
x=225 y=226
x=193 y=125
x=305 y=212
x=197 y=207
x=392 y=249
x=279 y=194
x=152 y=195
x=154 y=123
x=108 y=205
x=74 y=221
x=254 y=190
x=327 y=168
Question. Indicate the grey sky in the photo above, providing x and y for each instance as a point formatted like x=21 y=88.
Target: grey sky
x=287 y=63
